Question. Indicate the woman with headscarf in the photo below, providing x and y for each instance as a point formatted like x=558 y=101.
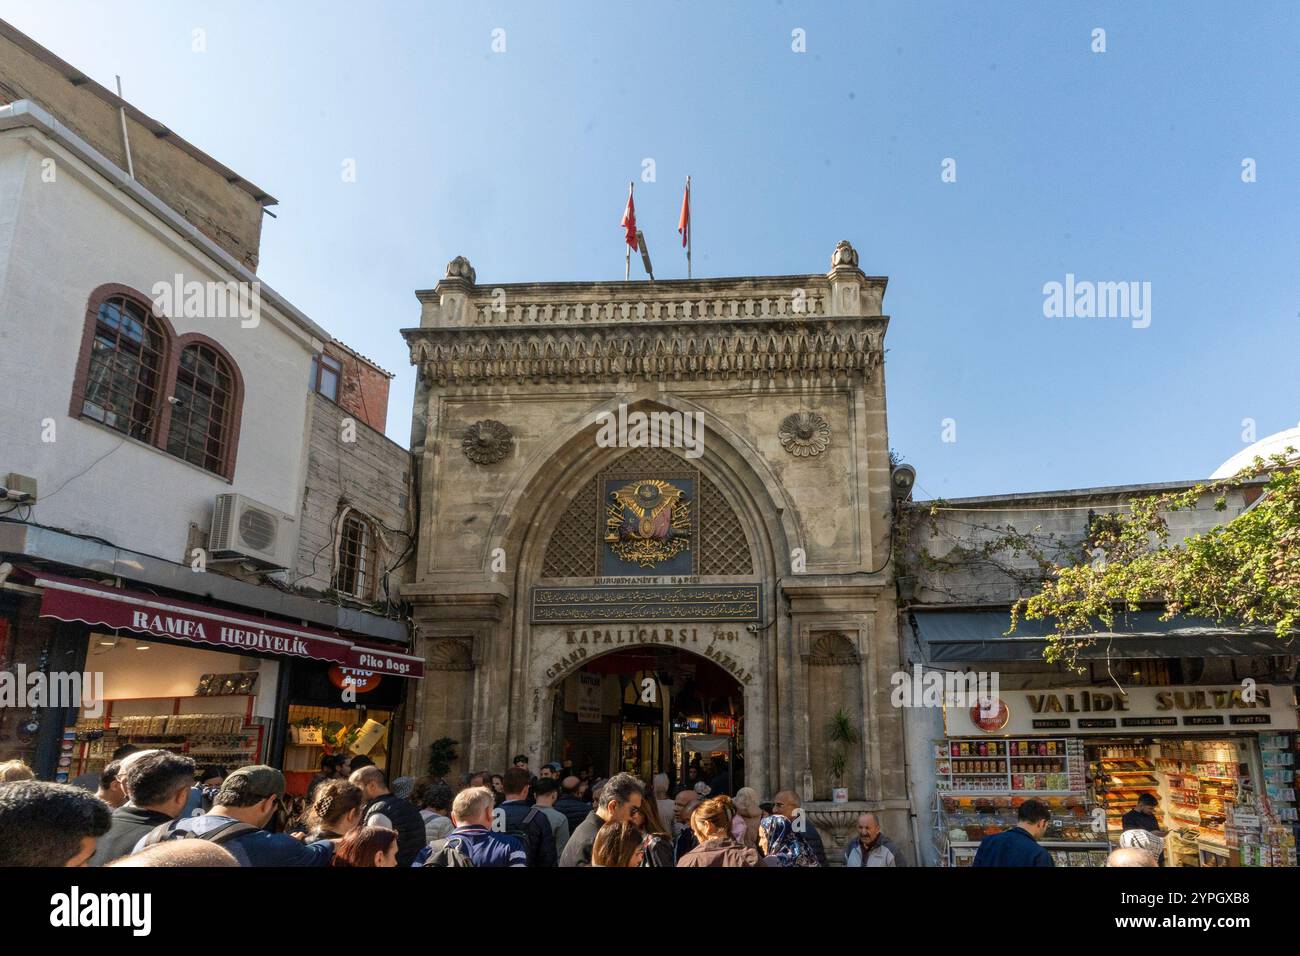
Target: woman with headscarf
x=780 y=845
x=1147 y=840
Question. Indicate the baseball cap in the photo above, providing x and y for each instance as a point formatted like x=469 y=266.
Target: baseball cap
x=258 y=780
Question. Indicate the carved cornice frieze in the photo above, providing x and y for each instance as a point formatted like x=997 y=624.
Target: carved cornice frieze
x=800 y=350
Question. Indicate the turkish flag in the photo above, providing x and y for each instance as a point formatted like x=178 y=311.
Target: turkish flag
x=684 y=221
x=629 y=220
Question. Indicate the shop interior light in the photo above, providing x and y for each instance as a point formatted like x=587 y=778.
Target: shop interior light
x=142 y=647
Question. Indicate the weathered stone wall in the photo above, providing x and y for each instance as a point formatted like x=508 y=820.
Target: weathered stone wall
x=370 y=474
x=1057 y=523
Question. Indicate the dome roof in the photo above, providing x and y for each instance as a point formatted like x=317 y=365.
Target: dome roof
x=1272 y=445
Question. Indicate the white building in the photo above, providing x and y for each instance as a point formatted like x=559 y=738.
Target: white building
x=147 y=372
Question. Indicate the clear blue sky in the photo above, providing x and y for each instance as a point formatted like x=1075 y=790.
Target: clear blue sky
x=1118 y=166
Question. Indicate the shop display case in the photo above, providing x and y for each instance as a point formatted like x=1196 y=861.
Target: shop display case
x=982 y=783
x=209 y=730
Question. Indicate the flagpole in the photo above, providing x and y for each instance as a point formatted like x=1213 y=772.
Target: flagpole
x=688 y=228
x=627 y=259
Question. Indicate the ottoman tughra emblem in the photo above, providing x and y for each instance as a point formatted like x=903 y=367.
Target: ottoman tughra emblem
x=648 y=522
x=804 y=434
x=487 y=442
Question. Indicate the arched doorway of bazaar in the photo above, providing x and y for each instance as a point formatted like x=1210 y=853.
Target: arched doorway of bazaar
x=653 y=709
x=645 y=613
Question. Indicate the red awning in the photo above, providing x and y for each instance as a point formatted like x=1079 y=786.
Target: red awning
x=70 y=599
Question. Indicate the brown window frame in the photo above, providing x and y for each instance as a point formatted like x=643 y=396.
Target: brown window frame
x=367 y=557
x=220 y=397
x=173 y=346
x=141 y=415
x=336 y=366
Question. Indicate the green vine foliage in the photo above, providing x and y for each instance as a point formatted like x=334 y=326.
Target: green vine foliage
x=1243 y=572
x=441 y=754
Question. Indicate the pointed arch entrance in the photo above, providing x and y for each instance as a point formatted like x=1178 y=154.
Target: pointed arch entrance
x=645 y=709
x=677 y=593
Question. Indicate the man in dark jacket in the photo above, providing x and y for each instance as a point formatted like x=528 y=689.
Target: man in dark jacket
x=720 y=782
x=685 y=841
x=384 y=809
x=527 y=823
x=618 y=798
x=574 y=810
x=787 y=804
x=1142 y=816
x=1019 y=845
x=473 y=841
x=157 y=784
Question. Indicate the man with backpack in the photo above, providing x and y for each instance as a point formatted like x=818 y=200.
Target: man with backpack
x=527 y=822
x=473 y=843
x=385 y=809
x=243 y=805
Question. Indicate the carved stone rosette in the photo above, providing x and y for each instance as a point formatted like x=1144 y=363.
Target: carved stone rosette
x=804 y=434
x=487 y=442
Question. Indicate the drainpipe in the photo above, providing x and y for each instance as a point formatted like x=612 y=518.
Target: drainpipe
x=907 y=771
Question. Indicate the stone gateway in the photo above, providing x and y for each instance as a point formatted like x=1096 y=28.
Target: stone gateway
x=725 y=587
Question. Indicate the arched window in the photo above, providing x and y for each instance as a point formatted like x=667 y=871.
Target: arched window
x=181 y=394
x=356 y=565
x=127 y=363
x=202 y=404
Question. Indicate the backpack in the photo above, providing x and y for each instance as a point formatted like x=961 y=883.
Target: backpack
x=218 y=835
x=448 y=851
x=525 y=837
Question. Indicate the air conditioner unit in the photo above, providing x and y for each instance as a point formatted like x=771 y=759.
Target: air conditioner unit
x=244 y=530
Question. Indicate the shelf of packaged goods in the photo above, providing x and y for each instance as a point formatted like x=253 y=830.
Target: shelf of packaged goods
x=1055 y=844
x=1011 y=793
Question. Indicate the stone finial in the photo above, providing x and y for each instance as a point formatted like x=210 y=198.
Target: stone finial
x=844 y=255
x=459 y=268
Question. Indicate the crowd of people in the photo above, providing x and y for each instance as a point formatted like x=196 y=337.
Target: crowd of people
x=155 y=808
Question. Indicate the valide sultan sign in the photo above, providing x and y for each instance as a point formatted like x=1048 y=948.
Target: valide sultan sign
x=1135 y=710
